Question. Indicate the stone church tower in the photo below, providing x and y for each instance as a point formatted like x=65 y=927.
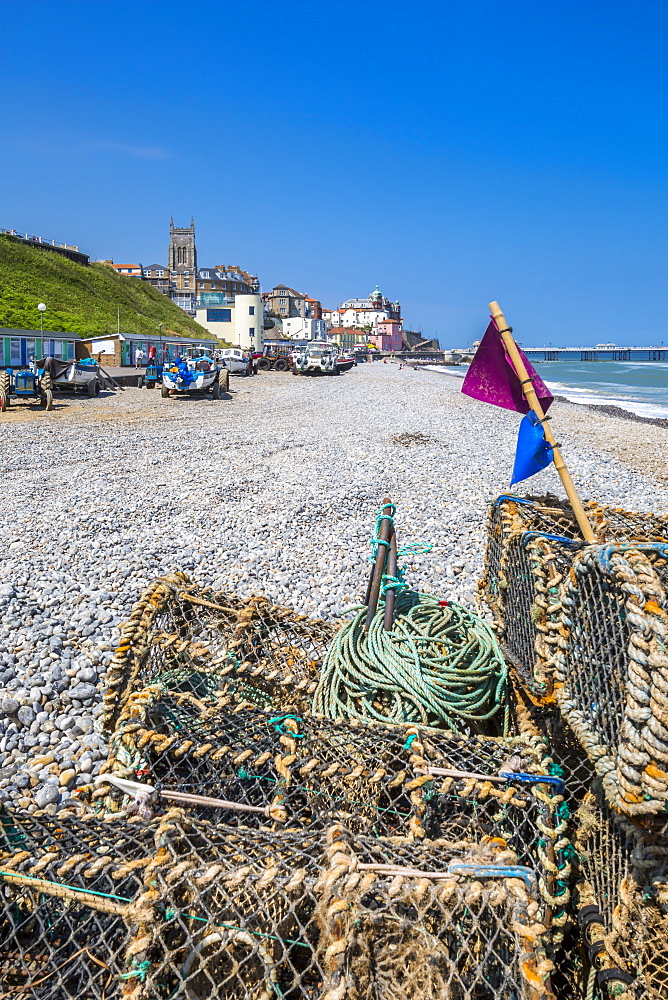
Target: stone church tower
x=182 y=251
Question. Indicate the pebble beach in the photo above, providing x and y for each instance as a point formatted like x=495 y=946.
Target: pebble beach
x=272 y=490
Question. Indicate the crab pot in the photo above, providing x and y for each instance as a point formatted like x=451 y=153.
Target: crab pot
x=175 y=910
x=531 y=544
x=612 y=670
x=620 y=899
x=208 y=644
x=296 y=773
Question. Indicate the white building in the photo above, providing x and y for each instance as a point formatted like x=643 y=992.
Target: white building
x=237 y=320
x=360 y=313
x=300 y=328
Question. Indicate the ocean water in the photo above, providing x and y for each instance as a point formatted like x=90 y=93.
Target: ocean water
x=638 y=386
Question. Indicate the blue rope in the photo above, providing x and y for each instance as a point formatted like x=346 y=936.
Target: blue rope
x=277 y=723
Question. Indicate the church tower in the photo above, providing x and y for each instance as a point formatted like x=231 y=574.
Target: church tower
x=182 y=251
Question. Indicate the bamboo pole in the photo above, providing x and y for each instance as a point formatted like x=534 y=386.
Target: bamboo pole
x=534 y=403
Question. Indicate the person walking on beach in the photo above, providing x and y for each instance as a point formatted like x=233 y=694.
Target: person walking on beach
x=139 y=357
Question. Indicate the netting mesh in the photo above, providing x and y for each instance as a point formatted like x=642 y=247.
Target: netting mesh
x=621 y=866
x=205 y=643
x=612 y=670
x=172 y=909
x=531 y=545
x=310 y=772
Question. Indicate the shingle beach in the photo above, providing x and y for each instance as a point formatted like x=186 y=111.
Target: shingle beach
x=272 y=491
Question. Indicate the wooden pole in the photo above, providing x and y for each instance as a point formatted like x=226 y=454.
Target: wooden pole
x=534 y=403
x=390 y=592
x=376 y=579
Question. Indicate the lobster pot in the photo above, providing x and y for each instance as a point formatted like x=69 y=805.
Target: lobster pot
x=531 y=544
x=190 y=640
x=299 y=773
x=612 y=670
x=67 y=891
x=621 y=898
x=194 y=912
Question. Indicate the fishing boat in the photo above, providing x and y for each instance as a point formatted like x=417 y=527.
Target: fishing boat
x=344 y=362
x=196 y=374
x=72 y=376
x=319 y=357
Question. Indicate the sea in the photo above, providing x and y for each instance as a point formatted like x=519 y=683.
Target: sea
x=638 y=386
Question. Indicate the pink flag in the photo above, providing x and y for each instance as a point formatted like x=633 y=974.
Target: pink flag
x=492 y=378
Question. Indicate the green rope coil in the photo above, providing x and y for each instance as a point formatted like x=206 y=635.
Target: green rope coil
x=438 y=666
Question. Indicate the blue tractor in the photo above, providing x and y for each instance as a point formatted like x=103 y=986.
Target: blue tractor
x=25 y=384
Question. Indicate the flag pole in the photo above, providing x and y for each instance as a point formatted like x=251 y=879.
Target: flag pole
x=534 y=403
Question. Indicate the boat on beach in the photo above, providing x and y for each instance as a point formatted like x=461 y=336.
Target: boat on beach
x=196 y=374
x=74 y=376
x=320 y=357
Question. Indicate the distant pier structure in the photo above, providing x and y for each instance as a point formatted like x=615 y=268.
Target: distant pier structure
x=600 y=352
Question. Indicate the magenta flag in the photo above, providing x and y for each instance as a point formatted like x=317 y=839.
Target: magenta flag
x=492 y=378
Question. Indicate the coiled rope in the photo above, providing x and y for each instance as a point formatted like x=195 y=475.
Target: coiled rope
x=440 y=665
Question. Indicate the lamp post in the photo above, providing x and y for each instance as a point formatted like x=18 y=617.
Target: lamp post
x=251 y=337
x=42 y=310
x=162 y=356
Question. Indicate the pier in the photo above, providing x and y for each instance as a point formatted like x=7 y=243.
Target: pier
x=601 y=352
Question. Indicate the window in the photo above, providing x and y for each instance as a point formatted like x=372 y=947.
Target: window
x=186 y=283
x=205 y=274
x=30 y=349
x=251 y=310
x=70 y=350
x=251 y=332
x=160 y=274
x=219 y=315
x=14 y=351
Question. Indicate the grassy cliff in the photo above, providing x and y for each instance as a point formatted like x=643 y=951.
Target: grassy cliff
x=82 y=300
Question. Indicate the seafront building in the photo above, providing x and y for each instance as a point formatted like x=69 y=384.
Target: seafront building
x=363 y=313
x=300 y=328
x=238 y=320
x=284 y=302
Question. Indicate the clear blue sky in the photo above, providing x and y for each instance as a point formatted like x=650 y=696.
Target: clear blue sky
x=453 y=153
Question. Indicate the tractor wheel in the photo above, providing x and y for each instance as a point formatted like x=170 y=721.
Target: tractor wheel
x=93 y=388
x=215 y=392
x=5 y=386
x=47 y=399
x=281 y=366
x=164 y=392
x=264 y=364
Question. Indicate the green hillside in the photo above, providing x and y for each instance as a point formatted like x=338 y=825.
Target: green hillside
x=79 y=299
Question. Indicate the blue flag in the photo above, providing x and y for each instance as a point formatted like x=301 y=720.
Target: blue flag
x=533 y=452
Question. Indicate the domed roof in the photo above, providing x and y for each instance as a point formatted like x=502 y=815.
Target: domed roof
x=376 y=293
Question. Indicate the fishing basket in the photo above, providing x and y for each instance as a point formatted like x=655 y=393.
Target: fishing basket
x=620 y=900
x=192 y=640
x=167 y=909
x=531 y=544
x=611 y=670
x=291 y=772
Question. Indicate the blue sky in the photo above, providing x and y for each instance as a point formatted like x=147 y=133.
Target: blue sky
x=452 y=153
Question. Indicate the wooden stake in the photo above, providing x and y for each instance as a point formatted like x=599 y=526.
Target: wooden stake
x=376 y=579
x=534 y=403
